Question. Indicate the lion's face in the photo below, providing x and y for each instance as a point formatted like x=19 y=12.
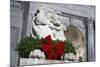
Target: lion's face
x=48 y=22
x=50 y=18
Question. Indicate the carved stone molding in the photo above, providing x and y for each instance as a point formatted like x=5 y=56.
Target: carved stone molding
x=91 y=20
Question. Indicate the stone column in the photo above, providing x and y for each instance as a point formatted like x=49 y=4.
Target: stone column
x=91 y=39
x=16 y=15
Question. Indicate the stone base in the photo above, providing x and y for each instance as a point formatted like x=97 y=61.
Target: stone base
x=35 y=61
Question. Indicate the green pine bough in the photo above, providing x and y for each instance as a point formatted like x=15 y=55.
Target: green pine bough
x=69 y=48
x=26 y=45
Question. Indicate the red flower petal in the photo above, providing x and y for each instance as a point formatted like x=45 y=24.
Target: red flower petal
x=55 y=56
x=48 y=39
x=50 y=56
x=46 y=48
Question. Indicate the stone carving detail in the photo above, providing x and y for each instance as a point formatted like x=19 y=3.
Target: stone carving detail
x=77 y=39
x=18 y=4
x=47 y=22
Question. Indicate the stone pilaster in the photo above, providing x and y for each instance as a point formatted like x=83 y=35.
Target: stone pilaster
x=91 y=39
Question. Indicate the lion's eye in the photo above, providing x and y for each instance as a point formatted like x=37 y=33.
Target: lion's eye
x=38 y=11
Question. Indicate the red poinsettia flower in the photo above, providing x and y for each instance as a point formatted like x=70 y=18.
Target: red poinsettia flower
x=53 y=51
x=59 y=48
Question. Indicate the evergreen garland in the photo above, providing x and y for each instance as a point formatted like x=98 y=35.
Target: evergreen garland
x=28 y=44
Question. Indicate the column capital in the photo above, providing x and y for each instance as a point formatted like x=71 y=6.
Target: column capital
x=91 y=20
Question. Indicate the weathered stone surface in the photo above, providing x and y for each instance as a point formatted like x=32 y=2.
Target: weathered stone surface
x=37 y=54
x=47 y=22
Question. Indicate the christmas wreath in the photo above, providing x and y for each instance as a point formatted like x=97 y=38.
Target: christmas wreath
x=53 y=50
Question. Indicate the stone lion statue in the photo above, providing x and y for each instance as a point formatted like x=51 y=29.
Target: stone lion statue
x=78 y=40
x=47 y=22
